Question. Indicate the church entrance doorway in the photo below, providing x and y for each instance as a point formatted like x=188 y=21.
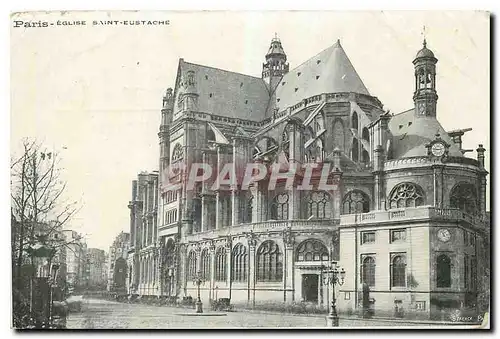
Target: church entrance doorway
x=310 y=287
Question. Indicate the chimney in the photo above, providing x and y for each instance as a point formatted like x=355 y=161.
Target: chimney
x=480 y=155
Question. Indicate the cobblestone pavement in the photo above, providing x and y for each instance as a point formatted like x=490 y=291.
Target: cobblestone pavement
x=102 y=314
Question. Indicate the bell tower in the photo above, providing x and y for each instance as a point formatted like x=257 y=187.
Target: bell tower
x=425 y=95
x=275 y=66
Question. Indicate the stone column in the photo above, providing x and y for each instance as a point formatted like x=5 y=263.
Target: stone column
x=212 y=269
x=288 y=278
x=252 y=276
x=229 y=257
x=294 y=204
x=218 y=210
x=235 y=197
x=256 y=215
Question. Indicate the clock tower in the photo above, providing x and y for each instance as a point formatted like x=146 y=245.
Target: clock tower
x=425 y=95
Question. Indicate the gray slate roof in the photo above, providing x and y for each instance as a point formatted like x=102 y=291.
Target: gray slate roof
x=411 y=134
x=228 y=93
x=330 y=71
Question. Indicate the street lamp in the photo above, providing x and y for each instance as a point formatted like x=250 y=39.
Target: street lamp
x=332 y=276
x=198 y=281
x=41 y=284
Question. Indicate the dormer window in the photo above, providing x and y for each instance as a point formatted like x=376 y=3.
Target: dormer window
x=318 y=62
x=210 y=95
x=296 y=89
x=317 y=77
x=298 y=74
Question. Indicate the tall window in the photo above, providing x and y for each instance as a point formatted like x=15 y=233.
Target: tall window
x=443 y=270
x=368 y=271
x=177 y=153
x=356 y=201
x=354 y=121
x=366 y=135
x=269 y=262
x=398 y=271
x=191 y=269
x=355 y=150
x=406 y=195
x=220 y=264
x=239 y=263
x=463 y=196
x=245 y=207
x=318 y=205
x=466 y=271
x=312 y=250
x=279 y=207
x=338 y=134
x=285 y=142
x=205 y=264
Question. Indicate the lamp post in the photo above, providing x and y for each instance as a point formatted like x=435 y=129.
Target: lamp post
x=332 y=276
x=198 y=281
x=41 y=284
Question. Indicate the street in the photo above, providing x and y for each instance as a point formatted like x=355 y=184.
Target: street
x=104 y=314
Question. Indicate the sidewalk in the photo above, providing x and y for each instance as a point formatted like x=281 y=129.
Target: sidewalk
x=374 y=318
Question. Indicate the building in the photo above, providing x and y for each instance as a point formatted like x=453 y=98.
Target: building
x=391 y=198
x=142 y=255
x=75 y=260
x=117 y=263
x=96 y=268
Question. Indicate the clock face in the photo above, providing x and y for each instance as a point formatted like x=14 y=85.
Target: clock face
x=437 y=149
x=444 y=235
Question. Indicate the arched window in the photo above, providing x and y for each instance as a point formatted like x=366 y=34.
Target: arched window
x=205 y=264
x=285 y=142
x=356 y=201
x=279 y=207
x=220 y=264
x=246 y=207
x=355 y=150
x=312 y=250
x=368 y=271
x=196 y=213
x=319 y=205
x=354 y=121
x=269 y=262
x=398 y=271
x=191 y=266
x=239 y=263
x=169 y=254
x=443 y=270
x=177 y=153
x=338 y=134
x=406 y=195
x=463 y=196
x=366 y=135
x=366 y=157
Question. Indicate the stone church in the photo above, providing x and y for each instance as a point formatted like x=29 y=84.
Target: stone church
x=405 y=216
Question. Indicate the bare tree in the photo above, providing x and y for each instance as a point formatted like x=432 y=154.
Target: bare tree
x=37 y=194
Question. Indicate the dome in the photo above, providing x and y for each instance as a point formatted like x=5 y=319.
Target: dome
x=276 y=49
x=425 y=52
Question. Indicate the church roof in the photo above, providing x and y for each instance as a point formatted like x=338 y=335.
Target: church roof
x=425 y=52
x=411 y=134
x=330 y=71
x=228 y=93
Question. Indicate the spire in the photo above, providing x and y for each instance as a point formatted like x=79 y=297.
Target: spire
x=425 y=95
x=275 y=66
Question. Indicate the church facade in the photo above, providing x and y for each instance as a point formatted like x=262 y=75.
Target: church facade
x=390 y=198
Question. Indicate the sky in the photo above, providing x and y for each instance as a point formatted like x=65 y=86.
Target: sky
x=94 y=93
